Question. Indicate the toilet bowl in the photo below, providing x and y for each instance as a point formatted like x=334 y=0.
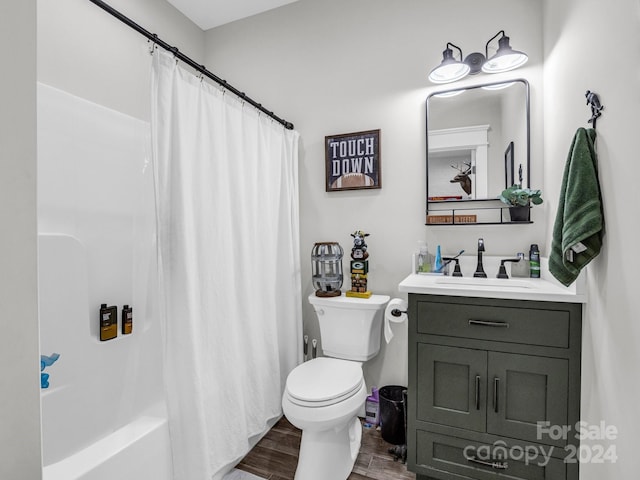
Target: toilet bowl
x=324 y=396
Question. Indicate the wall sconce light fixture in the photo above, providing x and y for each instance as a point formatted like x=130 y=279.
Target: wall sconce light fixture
x=449 y=69
x=505 y=59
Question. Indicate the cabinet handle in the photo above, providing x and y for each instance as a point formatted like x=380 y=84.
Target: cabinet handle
x=489 y=323
x=496 y=389
x=477 y=392
x=495 y=464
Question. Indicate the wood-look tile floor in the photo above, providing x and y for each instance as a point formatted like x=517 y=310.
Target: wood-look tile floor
x=275 y=457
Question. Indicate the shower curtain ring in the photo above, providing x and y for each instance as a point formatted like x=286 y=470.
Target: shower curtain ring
x=152 y=47
x=175 y=52
x=154 y=44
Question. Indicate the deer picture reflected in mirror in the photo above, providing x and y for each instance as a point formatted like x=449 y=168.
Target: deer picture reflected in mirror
x=469 y=130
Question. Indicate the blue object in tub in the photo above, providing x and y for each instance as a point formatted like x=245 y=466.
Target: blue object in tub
x=46 y=361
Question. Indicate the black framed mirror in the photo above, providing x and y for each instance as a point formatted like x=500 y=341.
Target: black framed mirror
x=478 y=141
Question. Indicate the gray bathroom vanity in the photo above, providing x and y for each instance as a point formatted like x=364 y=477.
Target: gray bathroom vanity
x=494 y=383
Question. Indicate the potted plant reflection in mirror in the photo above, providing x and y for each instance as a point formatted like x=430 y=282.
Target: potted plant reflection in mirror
x=519 y=201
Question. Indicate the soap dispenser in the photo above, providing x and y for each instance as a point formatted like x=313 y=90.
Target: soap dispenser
x=421 y=262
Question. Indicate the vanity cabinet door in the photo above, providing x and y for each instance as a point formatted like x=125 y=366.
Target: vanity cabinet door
x=525 y=390
x=451 y=386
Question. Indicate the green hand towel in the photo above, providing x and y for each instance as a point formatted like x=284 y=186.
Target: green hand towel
x=578 y=229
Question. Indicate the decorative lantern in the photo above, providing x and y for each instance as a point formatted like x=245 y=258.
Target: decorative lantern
x=326 y=268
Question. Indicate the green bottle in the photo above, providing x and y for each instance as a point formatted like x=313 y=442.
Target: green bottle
x=534 y=261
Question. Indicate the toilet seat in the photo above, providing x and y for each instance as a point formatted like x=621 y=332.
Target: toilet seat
x=324 y=381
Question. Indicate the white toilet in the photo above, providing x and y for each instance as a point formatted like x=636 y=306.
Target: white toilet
x=324 y=396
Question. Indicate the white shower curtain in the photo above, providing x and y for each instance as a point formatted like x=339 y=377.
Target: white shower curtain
x=227 y=203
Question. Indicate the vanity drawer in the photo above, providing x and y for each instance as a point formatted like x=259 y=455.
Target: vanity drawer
x=468 y=459
x=531 y=326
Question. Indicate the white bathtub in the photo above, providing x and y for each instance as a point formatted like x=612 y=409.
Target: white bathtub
x=136 y=451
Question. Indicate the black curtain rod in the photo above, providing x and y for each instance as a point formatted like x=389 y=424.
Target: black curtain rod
x=182 y=57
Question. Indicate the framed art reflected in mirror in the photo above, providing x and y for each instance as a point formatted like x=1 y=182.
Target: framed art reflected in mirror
x=509 y=173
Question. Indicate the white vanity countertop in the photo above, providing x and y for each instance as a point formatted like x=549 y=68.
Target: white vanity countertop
x=546 y=288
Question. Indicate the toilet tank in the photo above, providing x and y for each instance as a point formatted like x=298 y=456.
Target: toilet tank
x=350 y=327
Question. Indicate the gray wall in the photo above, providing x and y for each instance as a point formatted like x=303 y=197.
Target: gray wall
x=576 y=62
x=88 y=53
x=341 y=66
x=19 y=352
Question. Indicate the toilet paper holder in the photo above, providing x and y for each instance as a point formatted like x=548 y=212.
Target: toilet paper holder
x=395 y=312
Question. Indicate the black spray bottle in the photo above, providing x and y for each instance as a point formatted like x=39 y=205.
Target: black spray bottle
x=534 y=261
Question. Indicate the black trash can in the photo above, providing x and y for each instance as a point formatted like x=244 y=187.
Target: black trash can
x=392 y=414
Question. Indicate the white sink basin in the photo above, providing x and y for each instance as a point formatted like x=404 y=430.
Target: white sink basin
x=545 y=288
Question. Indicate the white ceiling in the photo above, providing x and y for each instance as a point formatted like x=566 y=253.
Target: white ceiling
x=212 y=13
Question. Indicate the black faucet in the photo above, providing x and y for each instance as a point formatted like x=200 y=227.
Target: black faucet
x=502 y=271
x=479 y=273
x=456 y=271
x=447 y=260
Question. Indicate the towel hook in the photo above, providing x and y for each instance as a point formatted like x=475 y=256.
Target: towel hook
x=596 y=107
